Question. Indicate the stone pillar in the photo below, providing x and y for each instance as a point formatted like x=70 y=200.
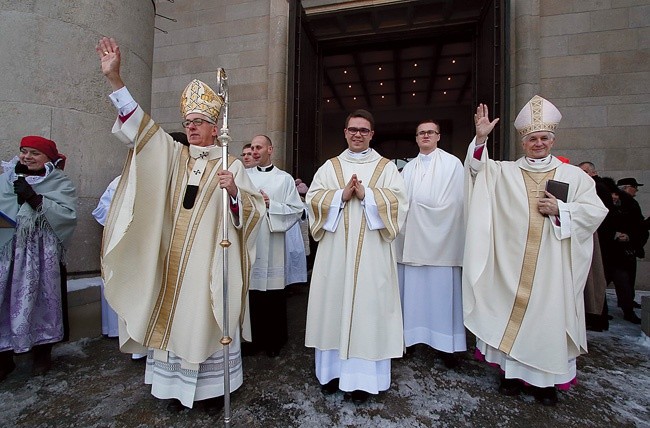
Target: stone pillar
x=276 y=107
x=525 y=61
x=51 y=85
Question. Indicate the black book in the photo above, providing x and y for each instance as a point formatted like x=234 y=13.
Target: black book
x=559 y=189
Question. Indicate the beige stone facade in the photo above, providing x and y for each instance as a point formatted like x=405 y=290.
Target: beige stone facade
x=246 y=38
x=591 y=58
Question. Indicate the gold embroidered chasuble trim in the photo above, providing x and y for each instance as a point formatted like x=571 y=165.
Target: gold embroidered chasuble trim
x=387 y=204
x=147 y=136
x=119 y=191
x=357 y=259
x=248 y=207
x=322 y=198
x=338 y=170
x=182 y=241
x=536 y=220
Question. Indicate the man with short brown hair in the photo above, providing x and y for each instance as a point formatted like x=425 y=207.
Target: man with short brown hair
x=247 y=156
x=430 y=248
x=357 y=203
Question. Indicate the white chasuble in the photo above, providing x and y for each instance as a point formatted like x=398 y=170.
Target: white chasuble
x=354 y=304
x=523 y=273
x=284 y=211
x=162 y=262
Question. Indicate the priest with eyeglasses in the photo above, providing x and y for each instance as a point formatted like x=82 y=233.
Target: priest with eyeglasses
x=357 y=204
x=161 y=259
x=430 y=248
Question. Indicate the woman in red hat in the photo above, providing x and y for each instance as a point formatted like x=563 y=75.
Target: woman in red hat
x=37 y=217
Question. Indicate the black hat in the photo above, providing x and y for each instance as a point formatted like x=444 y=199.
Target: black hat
x=628 y=182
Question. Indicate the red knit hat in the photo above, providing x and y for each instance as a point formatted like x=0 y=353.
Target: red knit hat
x=47 y=147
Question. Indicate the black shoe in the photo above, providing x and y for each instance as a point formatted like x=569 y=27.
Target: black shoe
x=7 y=364
x=509 y=387
x=330 y=387
x=631 y=317
x=6 y=370
x=593 y=327
x=546 y=396
x=212 y=405
x=636 y=305
x=449 y=359
x=359 y=397
x=175 y=406
x=248 y=349
x=42 y=359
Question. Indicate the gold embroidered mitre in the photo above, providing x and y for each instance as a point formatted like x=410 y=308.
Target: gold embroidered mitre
x=200 y=98
x=537 y=115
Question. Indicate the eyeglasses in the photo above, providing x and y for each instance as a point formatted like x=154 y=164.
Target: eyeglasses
x=429 y=133
x=363 y=131
x=197 y=122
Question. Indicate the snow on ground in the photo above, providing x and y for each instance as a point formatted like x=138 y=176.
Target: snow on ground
x=93 y=385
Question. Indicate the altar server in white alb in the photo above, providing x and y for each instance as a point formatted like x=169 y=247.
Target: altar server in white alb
x=109 y=317
x=527 y=255
x=357 y=204
x=268 y=300
x=162 y=263
x=430 y=248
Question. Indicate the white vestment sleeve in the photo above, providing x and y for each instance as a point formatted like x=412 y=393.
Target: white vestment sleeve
x=236 y=218
x=123 y=101
x=101 y=212
x=475 y=165
x=285 y=208
x=372 y=212
x=562 y=231
x=334 y=214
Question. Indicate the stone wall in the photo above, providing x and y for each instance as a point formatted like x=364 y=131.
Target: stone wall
x=246 y=38
x=591 y=59
x=52 y=86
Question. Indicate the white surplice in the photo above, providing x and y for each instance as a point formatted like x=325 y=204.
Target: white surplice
x=284 y=211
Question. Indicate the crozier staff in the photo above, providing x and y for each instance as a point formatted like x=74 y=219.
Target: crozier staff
x=170 y=294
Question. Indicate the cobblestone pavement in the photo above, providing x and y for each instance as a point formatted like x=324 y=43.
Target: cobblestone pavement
x=93 y=385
